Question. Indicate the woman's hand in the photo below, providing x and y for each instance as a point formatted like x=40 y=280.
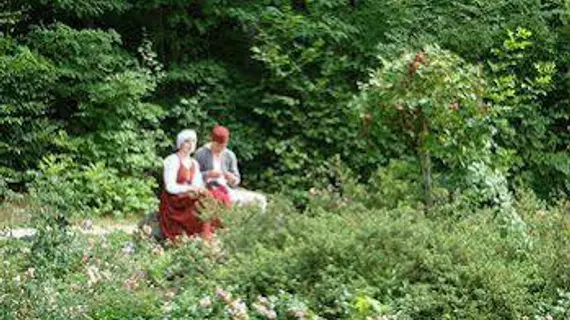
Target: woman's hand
x=197 y=192
x=203 y=191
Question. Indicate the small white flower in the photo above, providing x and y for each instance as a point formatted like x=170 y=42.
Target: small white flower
x=128 y=249
x=224 y=295
x=205 y=302
x=158 y=251
x=31 y=273
x=297 y=313
x=87 y=224
x=167 y=307
x=147 y=230
x=94 y=275
x=271 y=314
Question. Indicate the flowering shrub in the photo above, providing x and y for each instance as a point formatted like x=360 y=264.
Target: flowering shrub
x=358 y=262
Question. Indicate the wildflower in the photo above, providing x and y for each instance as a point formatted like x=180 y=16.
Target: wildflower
x=263 y=300
x=259 y=308
x=128 y=249
x=87 y=224
x=85 y=257
x=147 y=230
x=313 y=191
x=94 y=275
x=167 y=307
x=238 y=309
x=224 y=295
x=77 y=311
x=158 y=251
x=30 y=273
x=133 y=281
x=130 y=284
x=298 y=313
x=104 y=243
x=170 y=294
x=184 y=238
x=205 y=302
x=265 y=310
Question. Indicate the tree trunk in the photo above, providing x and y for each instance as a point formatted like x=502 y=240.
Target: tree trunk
x=425 y=163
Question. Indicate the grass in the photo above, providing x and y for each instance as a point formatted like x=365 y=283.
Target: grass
x=17 y=213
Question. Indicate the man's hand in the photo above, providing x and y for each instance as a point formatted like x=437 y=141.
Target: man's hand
x=230 y=177
x=214 y=174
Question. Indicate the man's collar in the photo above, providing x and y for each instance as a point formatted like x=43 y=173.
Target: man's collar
x=209 y=147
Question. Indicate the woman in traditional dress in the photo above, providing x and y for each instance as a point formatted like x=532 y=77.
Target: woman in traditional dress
x=183 y=190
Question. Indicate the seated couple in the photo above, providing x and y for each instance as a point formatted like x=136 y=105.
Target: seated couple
x=212 y=173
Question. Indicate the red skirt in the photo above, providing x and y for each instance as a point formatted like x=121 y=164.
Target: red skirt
x=179 y=215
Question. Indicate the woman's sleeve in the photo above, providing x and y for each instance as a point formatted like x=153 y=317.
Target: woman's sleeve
x=171 y=166
x=198 y=180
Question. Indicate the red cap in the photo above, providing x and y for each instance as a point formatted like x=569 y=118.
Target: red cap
x=220 y=134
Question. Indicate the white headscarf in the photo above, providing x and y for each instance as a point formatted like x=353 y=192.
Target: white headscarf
x=187 y=134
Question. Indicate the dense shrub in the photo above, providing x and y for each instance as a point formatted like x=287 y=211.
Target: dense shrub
x=349 y=264
x=92 y=190
x=25 y=126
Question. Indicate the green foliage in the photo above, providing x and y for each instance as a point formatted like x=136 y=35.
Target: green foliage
x=519 y=84
x=50 y=252
x=397 y=184
x=352 y=264
x=304 y=94
x=100 y=98
x=87 y=8
x=434 y=99
x=420 y=267
x=280 y=74
x=91 y=190
x=87 y=107
x=27 y=130
x=109 y=136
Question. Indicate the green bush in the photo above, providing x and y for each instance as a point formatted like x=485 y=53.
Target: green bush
x=92 y=191
x=100 y=98
x=27 y=131
x=352 y=263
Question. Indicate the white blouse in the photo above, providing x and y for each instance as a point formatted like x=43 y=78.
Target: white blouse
x=171 y=167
